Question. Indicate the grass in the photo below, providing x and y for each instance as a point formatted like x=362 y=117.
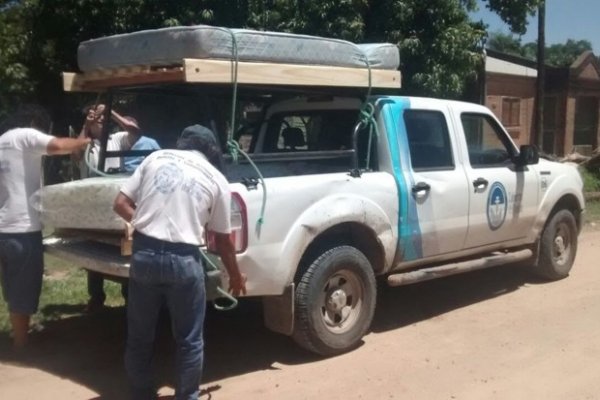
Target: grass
x=591 y=184
x=64 y=293
x=592 y=212
x=591 y=180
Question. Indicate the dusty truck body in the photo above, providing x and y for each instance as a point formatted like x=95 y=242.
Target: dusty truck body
x=419 y=189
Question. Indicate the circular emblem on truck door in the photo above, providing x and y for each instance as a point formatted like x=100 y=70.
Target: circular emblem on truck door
x=497 y=205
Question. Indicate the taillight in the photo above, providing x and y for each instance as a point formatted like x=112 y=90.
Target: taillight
x=239 y=227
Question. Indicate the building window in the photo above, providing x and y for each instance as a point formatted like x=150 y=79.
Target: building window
x=511 y=111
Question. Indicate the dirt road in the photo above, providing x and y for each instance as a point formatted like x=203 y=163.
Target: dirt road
x=493 y=334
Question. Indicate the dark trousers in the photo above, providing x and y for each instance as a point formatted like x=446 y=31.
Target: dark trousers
x=171 y=274
x=21 y=270
x=95 y=287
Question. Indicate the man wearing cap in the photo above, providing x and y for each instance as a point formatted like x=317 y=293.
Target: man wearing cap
x=130 y=138
x=170 y=200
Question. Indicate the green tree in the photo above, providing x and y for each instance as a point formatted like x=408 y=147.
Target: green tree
x=557 y=55
x=342 y=19
x=514 y=12
x=440 y=46
x=506 y=43
x=563 y=55
x=14 y=71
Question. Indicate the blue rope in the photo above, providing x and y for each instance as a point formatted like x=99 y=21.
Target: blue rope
x=236 y=148
x=366 y=113
x=367 y=118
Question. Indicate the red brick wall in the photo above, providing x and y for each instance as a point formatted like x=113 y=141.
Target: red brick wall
x=499 y=86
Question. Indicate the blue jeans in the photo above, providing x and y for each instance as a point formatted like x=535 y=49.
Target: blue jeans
x=172 y=274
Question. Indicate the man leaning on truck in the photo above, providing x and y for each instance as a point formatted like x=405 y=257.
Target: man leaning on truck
x=22 y=145
x=169 y=200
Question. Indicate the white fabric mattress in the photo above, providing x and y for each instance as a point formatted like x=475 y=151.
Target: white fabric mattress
x=168 y=46
x=82 y=204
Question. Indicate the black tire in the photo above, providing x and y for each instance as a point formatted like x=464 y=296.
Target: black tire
x=558 y=246
x=335 y=302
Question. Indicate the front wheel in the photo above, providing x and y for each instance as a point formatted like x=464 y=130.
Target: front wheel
x=558 y=246
x=335 y=302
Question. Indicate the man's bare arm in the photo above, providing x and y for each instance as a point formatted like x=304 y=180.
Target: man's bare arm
x=84 y=133
x=125 y=123
x=124 y=206
x=237 y=281
x=59 y=146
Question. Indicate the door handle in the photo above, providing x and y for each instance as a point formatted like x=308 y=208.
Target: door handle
x=480 y=183
x=420 y=187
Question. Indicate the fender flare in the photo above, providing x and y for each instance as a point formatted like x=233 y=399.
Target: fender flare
x=329 y=212
x=548 y=202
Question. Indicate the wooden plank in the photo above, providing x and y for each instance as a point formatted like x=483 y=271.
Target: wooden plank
x=220 y=71
x=121 y=239
x=77 y=232
x=104 y=79
x=73 y=82
x=127 y=241
x=126 y=247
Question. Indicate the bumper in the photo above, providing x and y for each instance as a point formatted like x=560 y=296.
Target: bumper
x=92 y=256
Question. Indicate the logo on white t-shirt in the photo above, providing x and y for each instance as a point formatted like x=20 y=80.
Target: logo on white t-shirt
x=168 y=177
x=4 y=166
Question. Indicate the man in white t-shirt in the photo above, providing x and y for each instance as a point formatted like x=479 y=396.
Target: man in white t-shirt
x=22 y=145
x=129 y=138
x=170 y=200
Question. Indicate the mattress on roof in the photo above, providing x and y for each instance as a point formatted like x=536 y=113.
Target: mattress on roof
x=82 y=204
x=169 y=46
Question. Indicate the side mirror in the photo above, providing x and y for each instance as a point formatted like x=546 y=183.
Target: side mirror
x=528 y=155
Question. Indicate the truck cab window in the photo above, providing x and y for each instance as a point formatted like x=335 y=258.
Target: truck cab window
x=487 y=143
x=428 y=140
x=322 y=130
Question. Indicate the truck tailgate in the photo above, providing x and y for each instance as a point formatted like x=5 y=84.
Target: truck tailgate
x=90 y=255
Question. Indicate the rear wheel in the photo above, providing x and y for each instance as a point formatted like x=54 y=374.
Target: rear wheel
x=558 y=246
x=335 y=301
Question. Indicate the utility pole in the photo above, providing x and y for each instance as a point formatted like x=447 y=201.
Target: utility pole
x=541 y=76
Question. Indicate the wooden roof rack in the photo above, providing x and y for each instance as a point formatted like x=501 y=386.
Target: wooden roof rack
x=221 y=71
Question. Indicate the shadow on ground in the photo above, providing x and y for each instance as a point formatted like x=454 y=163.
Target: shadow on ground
x=406 y=305
x=88 y=349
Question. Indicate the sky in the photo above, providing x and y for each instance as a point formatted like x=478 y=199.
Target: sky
x=565 y=19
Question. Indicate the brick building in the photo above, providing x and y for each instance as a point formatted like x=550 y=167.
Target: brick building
x=571 y=105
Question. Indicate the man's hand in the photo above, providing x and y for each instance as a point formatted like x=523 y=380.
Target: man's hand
x=225 y=249
x=237 y=284
x=92 y=125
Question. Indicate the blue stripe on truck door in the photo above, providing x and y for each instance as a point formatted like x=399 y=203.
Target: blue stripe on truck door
x=409 y=231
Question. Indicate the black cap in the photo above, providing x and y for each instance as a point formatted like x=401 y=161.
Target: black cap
x=200 y=132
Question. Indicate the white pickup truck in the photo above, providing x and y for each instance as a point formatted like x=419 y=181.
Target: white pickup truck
x=438 y=188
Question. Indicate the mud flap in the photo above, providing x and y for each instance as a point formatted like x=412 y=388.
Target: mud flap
x=278 y=311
